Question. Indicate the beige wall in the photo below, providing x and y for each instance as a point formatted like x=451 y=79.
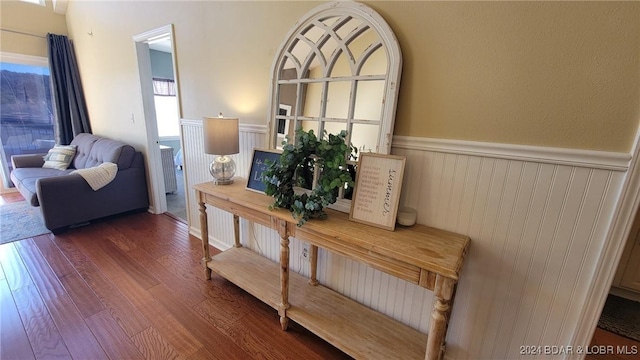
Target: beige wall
x=548 y=73
x=224 y=52
x=562 y=74
x=32 y=19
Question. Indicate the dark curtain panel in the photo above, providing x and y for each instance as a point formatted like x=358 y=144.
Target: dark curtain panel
x=72 y=117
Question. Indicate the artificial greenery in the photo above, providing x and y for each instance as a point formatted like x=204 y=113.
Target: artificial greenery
x=295 y=170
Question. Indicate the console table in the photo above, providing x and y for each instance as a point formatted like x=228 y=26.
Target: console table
x=422 y=255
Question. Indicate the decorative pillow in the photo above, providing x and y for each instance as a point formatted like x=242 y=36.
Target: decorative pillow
x=59 y=157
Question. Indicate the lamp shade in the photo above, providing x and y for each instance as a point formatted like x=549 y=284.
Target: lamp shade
x=220 y=135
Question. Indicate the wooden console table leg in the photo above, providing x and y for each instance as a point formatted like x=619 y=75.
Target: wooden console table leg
x=314 y=265
x=236 y=230
x=443 y=292
x=284 y=274
x=204 y=234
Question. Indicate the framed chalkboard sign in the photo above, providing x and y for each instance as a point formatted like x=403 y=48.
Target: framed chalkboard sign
x=258 y=166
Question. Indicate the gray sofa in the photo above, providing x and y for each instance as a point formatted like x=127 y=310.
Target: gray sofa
x=67 y=199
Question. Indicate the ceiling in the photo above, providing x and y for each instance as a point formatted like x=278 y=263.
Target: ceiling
x=163 y=44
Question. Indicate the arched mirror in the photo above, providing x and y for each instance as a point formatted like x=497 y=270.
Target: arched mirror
x=337 y=69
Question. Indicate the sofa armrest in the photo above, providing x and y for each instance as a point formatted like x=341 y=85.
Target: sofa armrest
x=28 y=160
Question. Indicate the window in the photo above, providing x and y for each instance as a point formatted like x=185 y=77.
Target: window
x=164 y=87
x=164 y=91
x=26 y=109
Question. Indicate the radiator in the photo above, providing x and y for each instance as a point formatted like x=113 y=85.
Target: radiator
x=168 y=169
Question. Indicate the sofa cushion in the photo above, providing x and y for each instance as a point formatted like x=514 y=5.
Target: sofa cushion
x=59 y=157
x=85 y=144
x=105 y=150
x=25 y=180
x=94 y=150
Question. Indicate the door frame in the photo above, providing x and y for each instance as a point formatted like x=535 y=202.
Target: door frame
x=156 y=175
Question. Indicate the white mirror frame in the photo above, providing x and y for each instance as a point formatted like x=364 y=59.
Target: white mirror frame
x=392 y=76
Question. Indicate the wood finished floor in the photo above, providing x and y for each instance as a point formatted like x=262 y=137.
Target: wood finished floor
x=606 y=339
x=132 y=288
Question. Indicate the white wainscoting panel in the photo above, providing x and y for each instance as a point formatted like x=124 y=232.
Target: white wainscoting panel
x=536 y=229
x=537 y=225
x=197 y=171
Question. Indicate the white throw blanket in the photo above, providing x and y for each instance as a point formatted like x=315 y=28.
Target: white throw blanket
x=99 y=176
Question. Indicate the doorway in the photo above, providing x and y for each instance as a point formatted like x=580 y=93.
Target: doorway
x=618 y=323
x=161 y=102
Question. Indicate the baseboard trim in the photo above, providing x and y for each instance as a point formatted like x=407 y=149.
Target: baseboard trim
x=572 y=157
x=212 y=241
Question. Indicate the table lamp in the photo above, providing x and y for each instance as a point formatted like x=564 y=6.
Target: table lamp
x=221 y=140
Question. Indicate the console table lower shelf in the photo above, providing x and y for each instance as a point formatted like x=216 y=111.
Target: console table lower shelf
x=353 y=328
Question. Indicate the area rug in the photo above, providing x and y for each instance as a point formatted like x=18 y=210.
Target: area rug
x=621 y=316
x=19 y=220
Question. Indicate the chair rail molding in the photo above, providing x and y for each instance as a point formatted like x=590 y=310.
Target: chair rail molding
x=562 y=156
x=243 y=128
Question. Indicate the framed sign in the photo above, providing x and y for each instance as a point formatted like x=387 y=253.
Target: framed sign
x=258 y=166
x=377 y=190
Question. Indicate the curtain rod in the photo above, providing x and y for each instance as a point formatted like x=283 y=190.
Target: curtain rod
x=22 y=33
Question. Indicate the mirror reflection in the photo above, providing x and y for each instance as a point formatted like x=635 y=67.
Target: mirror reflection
x=369 y=100
x=364 y=137
x=335 y=127
x=313 y=100
x=338 y=99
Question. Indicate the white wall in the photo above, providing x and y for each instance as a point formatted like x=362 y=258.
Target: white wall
x=537 y=217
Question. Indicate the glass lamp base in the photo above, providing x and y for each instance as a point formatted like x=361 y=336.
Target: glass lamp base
x=223 y=168
x=223 y=182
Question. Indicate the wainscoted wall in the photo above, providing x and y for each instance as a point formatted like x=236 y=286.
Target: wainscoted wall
x=197 y=171
x=537 y=227
x=537 y=218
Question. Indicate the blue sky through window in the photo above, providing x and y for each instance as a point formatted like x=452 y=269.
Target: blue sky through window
x=32 y=69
